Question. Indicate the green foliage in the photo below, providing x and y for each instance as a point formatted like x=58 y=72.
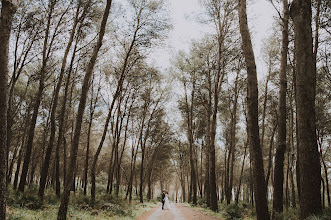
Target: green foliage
x=290 y=214
x=28 y=199
x=326 y=215
x=233 y=211
x=201 y=201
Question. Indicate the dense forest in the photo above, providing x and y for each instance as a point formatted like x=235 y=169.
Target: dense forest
x=86 y=119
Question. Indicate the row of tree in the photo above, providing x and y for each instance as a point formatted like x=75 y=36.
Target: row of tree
x=287 y=134
x=68 y=93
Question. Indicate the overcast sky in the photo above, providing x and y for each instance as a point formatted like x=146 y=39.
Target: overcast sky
x=185 y=29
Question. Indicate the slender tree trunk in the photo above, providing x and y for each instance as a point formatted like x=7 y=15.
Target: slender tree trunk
x=309 y=161
x=18 y=166
x=189 y=114
x=287 y=191
x=11 y=166
x=252 y=103
x=7 y=13
x=265 y=106
x=62 y=128
x=92 y=109
x=241 y=175
x=207 y=189
x=281 y=142
x=271 y=143
x=233 y=140
x=292 y=157
x=326 y=177
x=62 y=214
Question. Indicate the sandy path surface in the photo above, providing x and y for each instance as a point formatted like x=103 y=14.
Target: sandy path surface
x=178 y=211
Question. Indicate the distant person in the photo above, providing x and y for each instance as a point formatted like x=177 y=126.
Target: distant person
x=163 y=198
x=166 y=201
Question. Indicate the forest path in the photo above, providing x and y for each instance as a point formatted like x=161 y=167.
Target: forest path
x=178 y=211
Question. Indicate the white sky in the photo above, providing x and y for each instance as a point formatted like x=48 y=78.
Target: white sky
x=185 y=29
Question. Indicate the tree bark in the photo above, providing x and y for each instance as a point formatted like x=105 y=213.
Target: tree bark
x=241 y=175
x=309 y=161
x=62 y=213
x=252 y=102
x=92 y=109
x=7 y=13
x=281 y=142
x=189 y=115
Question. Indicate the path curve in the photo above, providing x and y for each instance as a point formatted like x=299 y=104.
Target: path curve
x=178 y=211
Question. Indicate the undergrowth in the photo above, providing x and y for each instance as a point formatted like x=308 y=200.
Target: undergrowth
x=27 y=205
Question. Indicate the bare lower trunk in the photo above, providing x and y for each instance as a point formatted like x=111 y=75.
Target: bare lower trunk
x=241 y=175
x=7 y=13
x=281 y=142
x=309 y=161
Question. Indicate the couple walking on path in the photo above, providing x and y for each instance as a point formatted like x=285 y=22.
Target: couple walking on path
x=165 y=200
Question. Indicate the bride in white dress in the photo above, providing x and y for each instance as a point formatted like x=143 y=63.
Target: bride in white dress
x=166 y=202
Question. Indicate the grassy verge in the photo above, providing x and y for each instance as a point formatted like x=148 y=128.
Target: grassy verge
x=27 y=206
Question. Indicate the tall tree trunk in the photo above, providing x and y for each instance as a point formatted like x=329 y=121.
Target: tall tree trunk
x=287 y=191
x=271 y=143
x=265 y=105
x=207 y=189
x=7 y=13
x=309 y=161
x=241 y=175
x=232 y=140
x=326 y=177
x=252 y=106
x=62 y=127
x=11 y=165
x=292 y=157
x=281 y=142
x=189 y=115
x=92 y=109
x=62 y=213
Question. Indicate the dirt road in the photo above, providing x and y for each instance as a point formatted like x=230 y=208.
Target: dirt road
x=178 y=211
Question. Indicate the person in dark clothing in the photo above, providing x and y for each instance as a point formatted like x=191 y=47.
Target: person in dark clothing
x=163 y=197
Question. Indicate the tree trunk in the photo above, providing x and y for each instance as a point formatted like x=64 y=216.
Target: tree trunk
x=326 y=177
x=207 y=189
x=11 y=166
x=189 y=114
x=232 y=140
x=92 y=109
x=309 y=161
x=241 y=175
x=7 y=13
x=62 y=213
x=281 y=142
x=252 y=102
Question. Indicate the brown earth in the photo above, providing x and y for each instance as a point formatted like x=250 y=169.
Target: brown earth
x=178 y=211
